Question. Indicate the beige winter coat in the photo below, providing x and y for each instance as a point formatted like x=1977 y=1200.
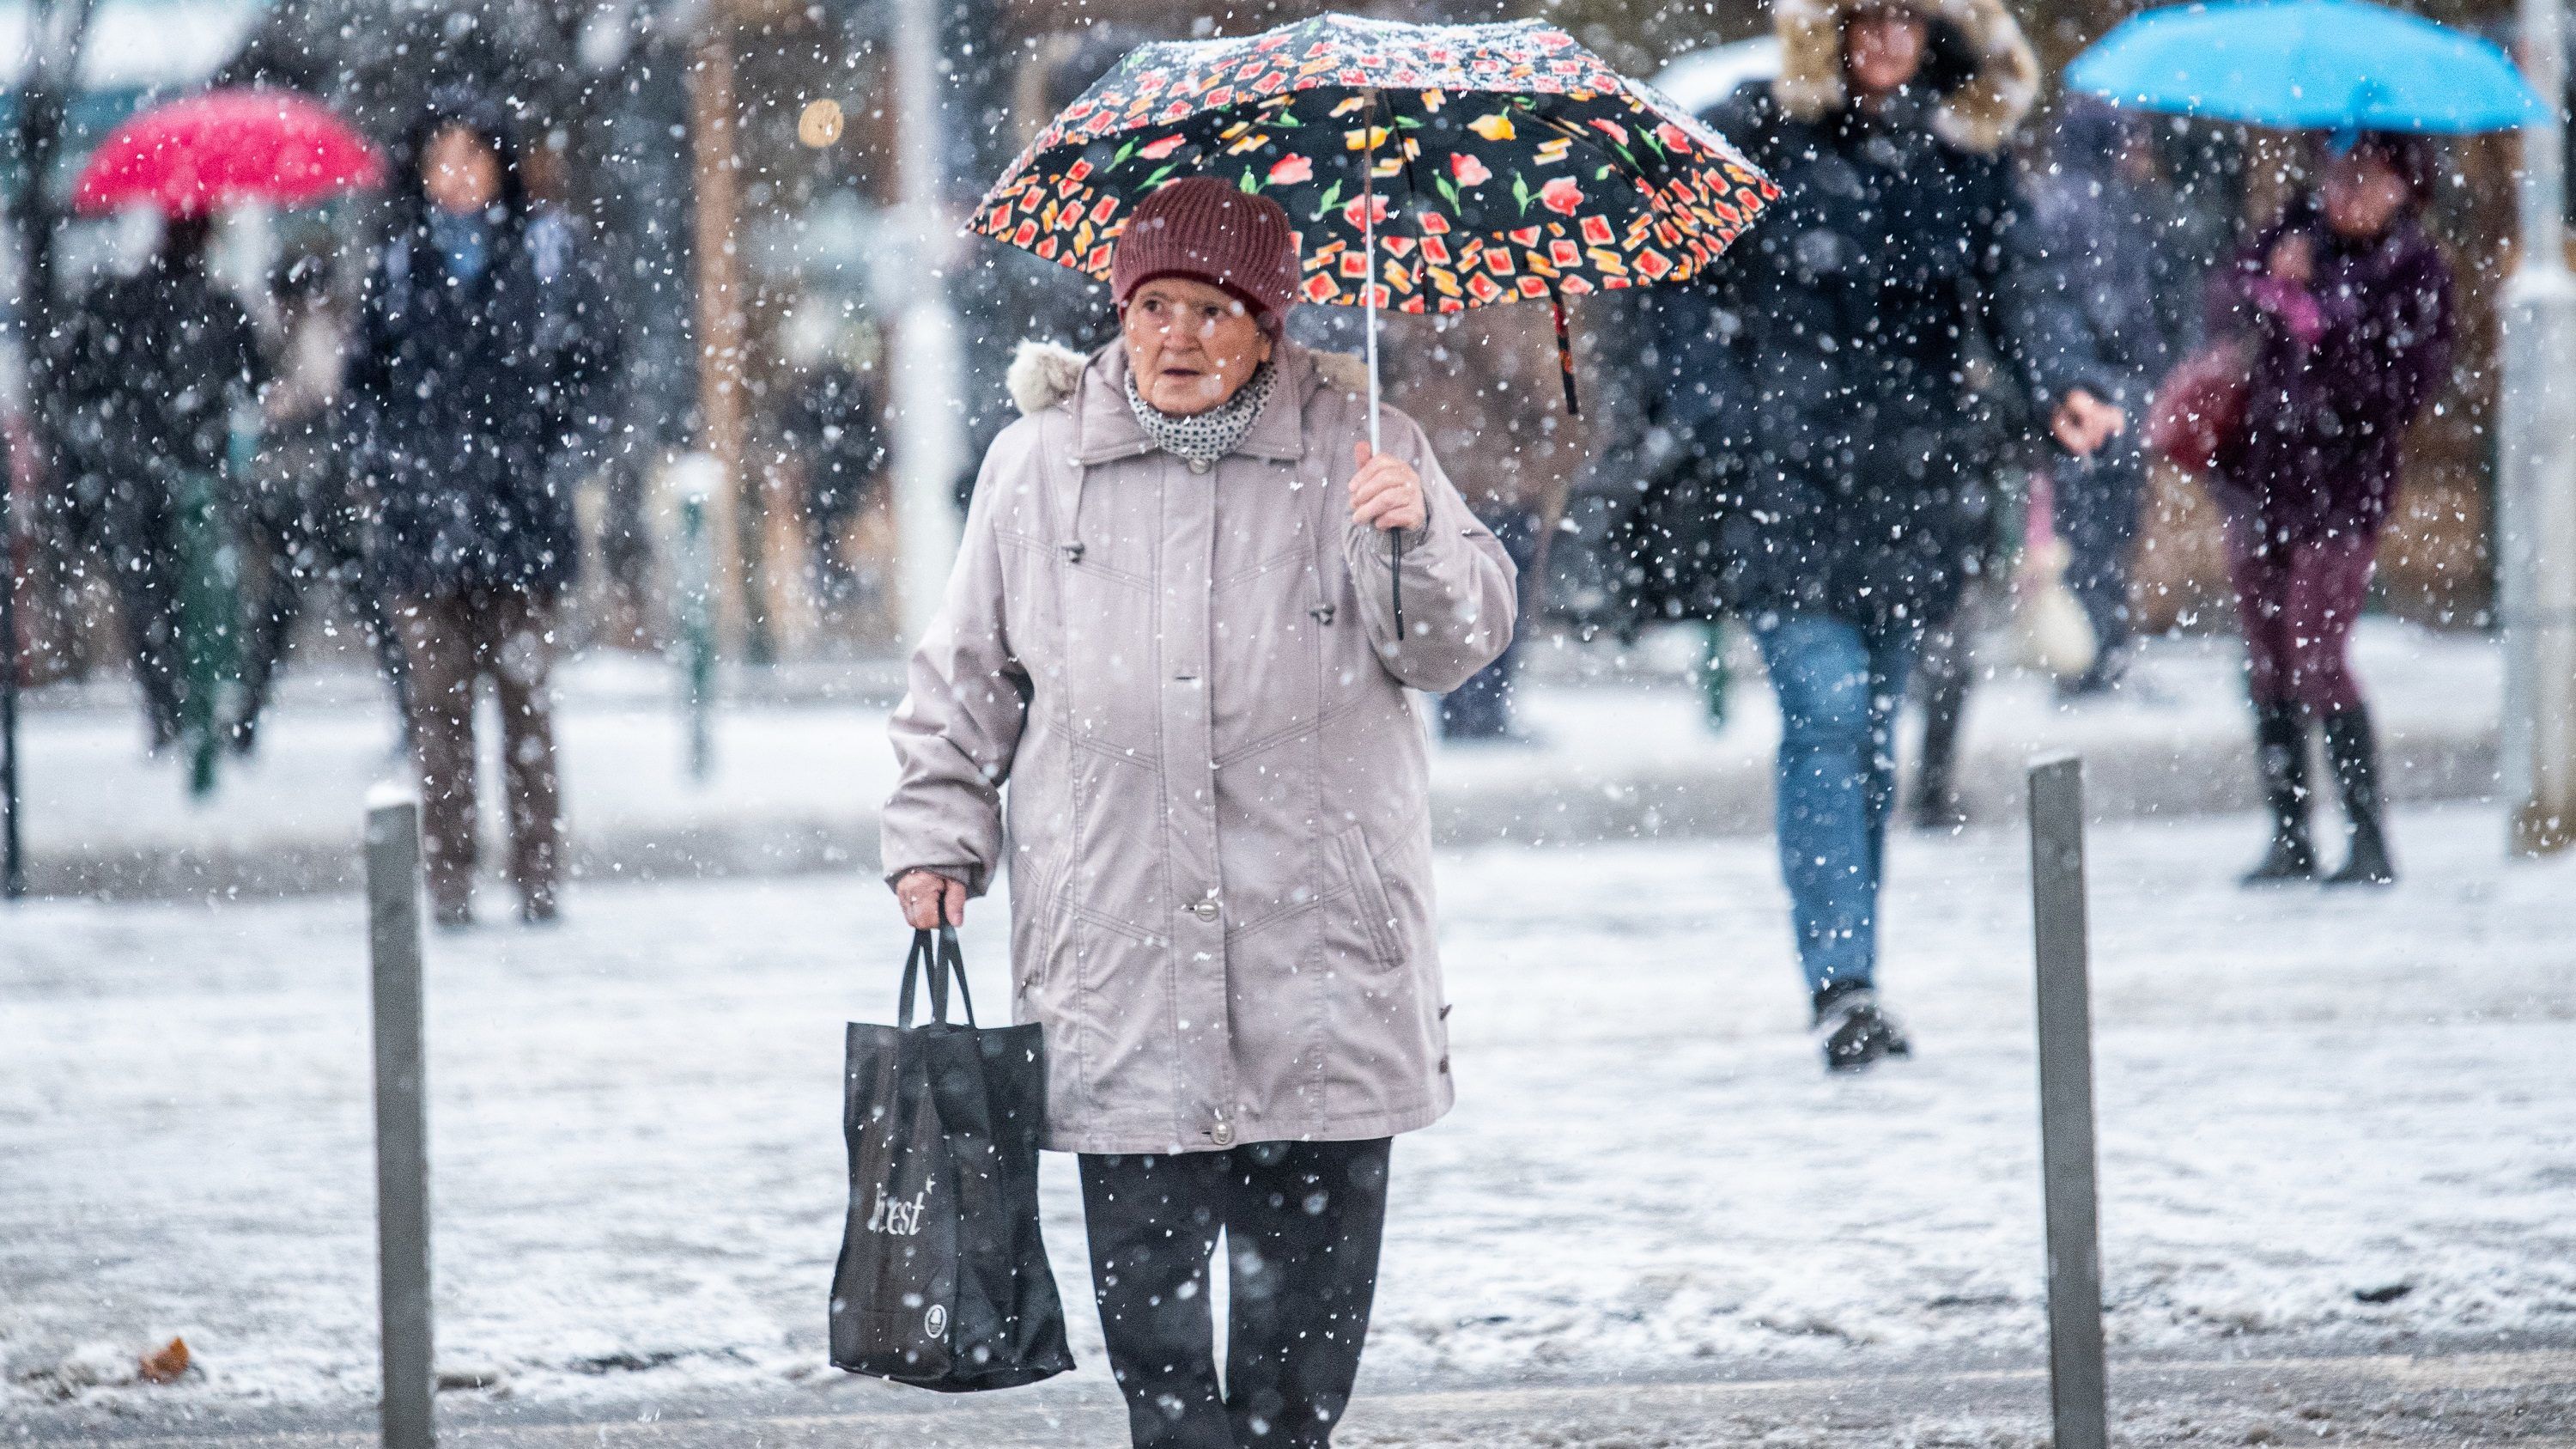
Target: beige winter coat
x=1219 y=833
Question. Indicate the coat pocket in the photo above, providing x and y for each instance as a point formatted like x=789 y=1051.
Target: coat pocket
x=1369 y=900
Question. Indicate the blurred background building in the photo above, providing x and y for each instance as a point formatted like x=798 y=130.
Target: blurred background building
x=731 y=167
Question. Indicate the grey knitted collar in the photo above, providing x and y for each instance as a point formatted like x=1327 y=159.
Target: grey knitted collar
x=1202 y=438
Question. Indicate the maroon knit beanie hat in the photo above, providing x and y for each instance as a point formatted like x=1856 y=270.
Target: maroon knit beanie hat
x=1211 y=231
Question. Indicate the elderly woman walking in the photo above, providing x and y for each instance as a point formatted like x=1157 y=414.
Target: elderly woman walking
x=2346 y=306
x=1172 y=632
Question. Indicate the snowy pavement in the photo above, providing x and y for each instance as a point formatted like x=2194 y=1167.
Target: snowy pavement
x=2330 y=1123
x=2525 y=1399
x=1621 y=751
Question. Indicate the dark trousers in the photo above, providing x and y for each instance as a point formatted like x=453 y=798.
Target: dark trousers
x=2097 y=501
x=1481 y=708
x=450 y=643
x=142 y=547
x=299 y=529
x=1302 y=1222
x=1944 y=671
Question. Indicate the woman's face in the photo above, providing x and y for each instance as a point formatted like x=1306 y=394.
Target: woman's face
x=1192 y=345
x=1883 y=50
x=2362 y=195
x=459 y=171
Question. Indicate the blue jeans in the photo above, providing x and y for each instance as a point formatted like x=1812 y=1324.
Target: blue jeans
x=1839 y=684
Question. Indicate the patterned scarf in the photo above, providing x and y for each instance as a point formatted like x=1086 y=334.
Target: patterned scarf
x=1202 y=438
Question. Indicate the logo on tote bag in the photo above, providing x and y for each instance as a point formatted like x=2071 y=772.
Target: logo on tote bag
x=935 y=1322
x=897 y=1218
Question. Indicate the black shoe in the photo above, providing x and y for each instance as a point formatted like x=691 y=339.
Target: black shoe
x=2281 y=753
x=2290 y=859
x=2368 y=864
x=452 y=917
x=2354 y=752
x=1941 y=813
x=2100 y=681
x=1856 y=1033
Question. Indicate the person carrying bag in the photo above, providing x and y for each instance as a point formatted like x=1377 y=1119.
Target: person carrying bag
x=1168 y=692
x=943 y=1281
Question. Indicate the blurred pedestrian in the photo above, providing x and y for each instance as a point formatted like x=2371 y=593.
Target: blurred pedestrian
x=152 y=367
x=1170 y=631
x=831 y=429
x=2346 y=307
x=474 y=349
x=1862 y=500
x=1469 y=380
x=303 y=524
x=2083 y=290
x=1948 y=666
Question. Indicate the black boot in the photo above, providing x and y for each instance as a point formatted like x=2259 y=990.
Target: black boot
x=2281 y=752
x=2354 y=752
x=1856 y=1034
x=1936 y=804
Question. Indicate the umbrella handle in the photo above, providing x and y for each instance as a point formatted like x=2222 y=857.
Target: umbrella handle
x=1564 y=353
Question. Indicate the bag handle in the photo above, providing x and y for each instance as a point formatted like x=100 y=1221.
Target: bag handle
x=941 y=956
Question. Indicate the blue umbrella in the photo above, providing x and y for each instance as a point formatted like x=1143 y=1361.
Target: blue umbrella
x=2322 y=65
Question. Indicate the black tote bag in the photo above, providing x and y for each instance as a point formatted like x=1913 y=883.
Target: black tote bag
x=943 y=1280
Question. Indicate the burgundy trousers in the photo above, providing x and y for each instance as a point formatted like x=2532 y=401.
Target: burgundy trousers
x=2297 y=602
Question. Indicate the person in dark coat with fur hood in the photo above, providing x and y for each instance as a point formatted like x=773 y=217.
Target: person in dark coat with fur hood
x=472 y=368
x=1827 y=452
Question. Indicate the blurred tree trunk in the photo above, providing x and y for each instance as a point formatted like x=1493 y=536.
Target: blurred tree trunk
x=58 y=33
x=59 y=30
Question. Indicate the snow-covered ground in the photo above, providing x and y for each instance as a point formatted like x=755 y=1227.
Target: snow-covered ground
x=1621 y=749
x=2338 y=1120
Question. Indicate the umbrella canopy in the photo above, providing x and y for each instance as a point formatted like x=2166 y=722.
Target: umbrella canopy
x=2331 y=65
x=202 y=154
x=1429 y=168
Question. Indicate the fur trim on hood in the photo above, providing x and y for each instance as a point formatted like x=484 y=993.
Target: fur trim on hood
x=1978 y=114
x=1043 y=374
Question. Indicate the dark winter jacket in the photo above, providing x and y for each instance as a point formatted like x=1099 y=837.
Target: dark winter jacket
x=830 y=419
x=464 y=392
x=152 y=367
x=2341 y=367
x=1812 y=440
x=2090 y=263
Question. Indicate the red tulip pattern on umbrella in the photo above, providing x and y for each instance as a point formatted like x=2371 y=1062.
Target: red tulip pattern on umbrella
x=1509 y=161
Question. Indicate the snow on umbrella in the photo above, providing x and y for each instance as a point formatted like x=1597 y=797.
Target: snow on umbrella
x=2326 y=65
x=1429 y=168
x=206 y=152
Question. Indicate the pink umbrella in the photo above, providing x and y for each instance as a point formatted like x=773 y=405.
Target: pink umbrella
x=201 y=154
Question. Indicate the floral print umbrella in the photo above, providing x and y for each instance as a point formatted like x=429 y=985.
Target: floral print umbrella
x=1428 y=168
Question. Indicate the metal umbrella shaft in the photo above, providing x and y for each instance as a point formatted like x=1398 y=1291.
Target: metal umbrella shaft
x=1368 y=295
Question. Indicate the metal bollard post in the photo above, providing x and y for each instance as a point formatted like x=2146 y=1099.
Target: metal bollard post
x=695 y=639
x=402 y=1120
x=2077 y=1389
